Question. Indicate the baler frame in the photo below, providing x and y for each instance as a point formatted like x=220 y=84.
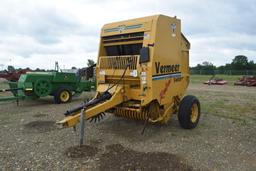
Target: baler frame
x=145 y=62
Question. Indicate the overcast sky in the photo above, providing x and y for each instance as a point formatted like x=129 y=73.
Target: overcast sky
x=36 y=33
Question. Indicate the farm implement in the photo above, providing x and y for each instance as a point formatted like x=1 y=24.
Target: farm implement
x=14 y=75
x=215 y=81
x=61 y=85
x=246 y=81
x=142 y=73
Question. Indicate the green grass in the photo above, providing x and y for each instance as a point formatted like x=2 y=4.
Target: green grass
x=202 y=78
x=238 y=106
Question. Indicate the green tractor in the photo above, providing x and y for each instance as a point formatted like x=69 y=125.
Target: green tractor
x=61 y=85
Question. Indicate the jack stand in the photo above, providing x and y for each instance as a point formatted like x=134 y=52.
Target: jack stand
x=82 y=125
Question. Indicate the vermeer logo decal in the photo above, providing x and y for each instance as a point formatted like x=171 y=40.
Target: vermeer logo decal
x=162 y=69
x=166 y=71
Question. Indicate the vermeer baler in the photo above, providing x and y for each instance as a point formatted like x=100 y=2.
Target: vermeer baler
x=142 y=73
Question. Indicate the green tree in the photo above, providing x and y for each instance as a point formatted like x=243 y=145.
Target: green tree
x=221 y=69
x=90 y=62
x=208 y=67
x=10 y=68
x=204 y=68
x=240 y=62
x=251 y=65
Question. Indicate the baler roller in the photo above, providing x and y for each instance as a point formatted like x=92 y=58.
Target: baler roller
x=151 y=112
x=131 y=113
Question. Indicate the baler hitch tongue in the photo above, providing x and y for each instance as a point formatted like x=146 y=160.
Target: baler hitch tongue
x=61 y=124
x=91 y=109
x=105 y=96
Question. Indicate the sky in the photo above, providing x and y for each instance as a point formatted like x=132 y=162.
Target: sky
x=36 y=33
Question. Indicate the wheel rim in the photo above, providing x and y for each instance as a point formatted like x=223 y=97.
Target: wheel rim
x=64 y=96
x=42 y=88
x=194 y=113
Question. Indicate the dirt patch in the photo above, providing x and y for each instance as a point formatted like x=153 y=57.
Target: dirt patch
x=40 y=115
x=218 y=143
x=6 y=156
x=84 y=151
x=40 y=126
x=120 y=158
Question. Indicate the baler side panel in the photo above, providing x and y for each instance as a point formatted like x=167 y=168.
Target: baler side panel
x=167 y=63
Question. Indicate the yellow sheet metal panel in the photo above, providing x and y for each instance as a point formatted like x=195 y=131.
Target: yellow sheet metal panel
x=128 y=26
x=166 y=73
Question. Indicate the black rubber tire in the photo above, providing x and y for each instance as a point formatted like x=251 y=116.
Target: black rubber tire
x=185 y=110
x=57 y=94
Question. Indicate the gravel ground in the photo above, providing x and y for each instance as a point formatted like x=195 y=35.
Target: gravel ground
x=30 y=140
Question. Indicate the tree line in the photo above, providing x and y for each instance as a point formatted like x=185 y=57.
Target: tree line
x=239 y=65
